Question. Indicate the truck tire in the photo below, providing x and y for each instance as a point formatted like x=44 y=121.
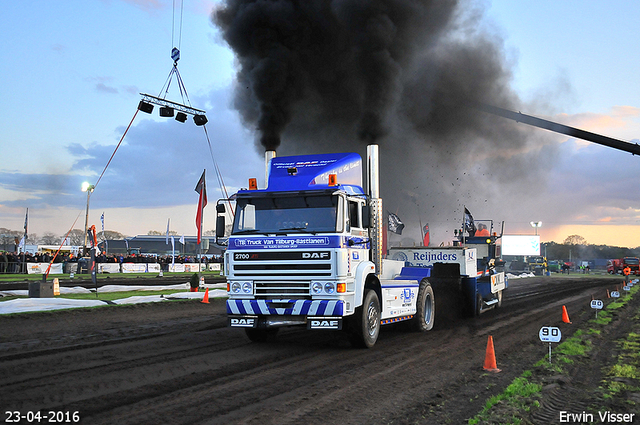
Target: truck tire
x=426 y=308
x=261 y=335
x=365 y=324
x=478 y=304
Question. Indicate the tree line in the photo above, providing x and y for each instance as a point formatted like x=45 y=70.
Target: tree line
x=10 y=238
x=575 y=246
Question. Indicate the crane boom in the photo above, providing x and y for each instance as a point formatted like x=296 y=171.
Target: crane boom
x=632 y=148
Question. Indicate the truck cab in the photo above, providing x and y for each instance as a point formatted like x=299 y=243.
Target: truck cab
x=306 y=250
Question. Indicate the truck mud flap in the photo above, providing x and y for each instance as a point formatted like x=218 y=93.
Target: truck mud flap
x=331 y=323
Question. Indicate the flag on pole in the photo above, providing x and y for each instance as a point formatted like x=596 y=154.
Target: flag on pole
x=26 y=220
x=173 y=250
x=469 y=225
x=202 y=202
x=166 y=239
x=182 y=239
x=395 y=224
x=21 y=244
x=426 y=240
x=106 y=246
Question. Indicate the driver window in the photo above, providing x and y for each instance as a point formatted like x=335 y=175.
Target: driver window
x=354 y=214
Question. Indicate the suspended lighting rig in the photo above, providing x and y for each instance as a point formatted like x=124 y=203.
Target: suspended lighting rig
x=168 y=107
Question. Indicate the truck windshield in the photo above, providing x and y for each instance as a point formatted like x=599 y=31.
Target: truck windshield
x=631 y=261
x=286 y=214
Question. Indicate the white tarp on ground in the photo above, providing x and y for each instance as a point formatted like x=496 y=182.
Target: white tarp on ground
x=22 y=305
x=519 y=276
x=63 y=290
x=116 y=288
x=124 y=288
x=43 y=304
x=216 y=293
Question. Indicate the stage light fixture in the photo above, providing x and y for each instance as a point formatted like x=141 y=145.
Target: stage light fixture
x=200 y=119
x=181 y=117
x=145 y=107
x=166 y=111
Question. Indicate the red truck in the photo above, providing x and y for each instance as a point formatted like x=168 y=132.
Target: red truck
x=616 y=266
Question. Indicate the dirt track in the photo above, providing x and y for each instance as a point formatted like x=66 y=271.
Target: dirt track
x=178 y=363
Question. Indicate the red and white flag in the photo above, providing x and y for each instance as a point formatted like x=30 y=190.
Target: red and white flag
x=425 y=239
x=201 y=188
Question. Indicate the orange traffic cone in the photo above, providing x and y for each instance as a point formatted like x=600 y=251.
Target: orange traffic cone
x=490 y=357
x=565 y=315
x=206 y=297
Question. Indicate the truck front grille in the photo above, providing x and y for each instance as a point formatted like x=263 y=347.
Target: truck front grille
x=282 y=290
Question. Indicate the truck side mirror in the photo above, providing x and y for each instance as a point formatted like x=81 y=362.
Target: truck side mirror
x=366 y=216
x=220 y=226
x=220 y=221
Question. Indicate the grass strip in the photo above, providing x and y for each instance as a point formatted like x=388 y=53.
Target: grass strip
x=517 y=400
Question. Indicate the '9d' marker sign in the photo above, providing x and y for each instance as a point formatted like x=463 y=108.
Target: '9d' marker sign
x=550 y=334
x=597 y=305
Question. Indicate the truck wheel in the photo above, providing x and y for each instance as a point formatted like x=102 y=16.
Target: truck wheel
x=261 y=335
x=478 y=304
x=365 y=324
x=426 y=308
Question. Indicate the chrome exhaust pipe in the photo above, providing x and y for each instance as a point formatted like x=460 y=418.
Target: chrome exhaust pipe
x=268 y=156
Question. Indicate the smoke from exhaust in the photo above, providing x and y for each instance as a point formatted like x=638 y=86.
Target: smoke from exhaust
x=327 y=76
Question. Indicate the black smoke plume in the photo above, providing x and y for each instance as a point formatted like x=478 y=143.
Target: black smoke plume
x=324 y=76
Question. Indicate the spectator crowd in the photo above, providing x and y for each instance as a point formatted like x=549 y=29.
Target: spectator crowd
x=14 y=262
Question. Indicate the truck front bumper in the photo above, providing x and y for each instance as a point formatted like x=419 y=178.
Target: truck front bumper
x=286 y=307
x=316 y=314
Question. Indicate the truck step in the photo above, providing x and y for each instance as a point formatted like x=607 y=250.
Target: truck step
x=490 y=303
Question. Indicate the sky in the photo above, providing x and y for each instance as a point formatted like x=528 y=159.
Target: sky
x=74 y=70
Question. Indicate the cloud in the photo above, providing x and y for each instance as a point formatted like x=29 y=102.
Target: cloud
x=151 y=6
x=157 y=165
x=106 y=89
x=591 y=121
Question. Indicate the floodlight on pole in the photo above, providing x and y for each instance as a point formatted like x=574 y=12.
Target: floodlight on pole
x=86 y=187
x=535 y=225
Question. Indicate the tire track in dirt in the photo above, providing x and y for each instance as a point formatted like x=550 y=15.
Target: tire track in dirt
x=172 y=368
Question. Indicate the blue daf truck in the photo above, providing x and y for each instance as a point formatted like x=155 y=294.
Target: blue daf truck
x=306 y=250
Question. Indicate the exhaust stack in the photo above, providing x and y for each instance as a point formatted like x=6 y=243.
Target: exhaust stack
x=268 y=156
x=373 y=186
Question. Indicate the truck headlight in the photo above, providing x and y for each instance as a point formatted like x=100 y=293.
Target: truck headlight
x=316 y=287
x=247 y=287
x=235 y=287
x=329 y=288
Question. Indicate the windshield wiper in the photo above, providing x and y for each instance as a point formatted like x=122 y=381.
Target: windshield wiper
x=300 y=229
x=241 y=232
